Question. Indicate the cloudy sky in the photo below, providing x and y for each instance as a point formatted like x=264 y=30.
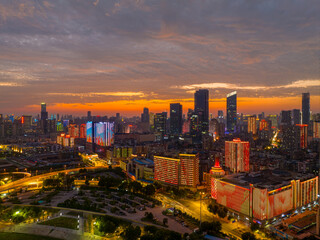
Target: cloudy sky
x=120 y=56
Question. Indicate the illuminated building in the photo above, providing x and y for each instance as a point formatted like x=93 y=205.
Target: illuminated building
x=73 y=130
x=302 y=135
x=160 y=124
x=305 y=108
x=265 y=195
x=231 y=111
x=83 y=131
x=186 y=126
x=252 y=125
x=316 y=129
x=166 y=170
x=182 y=171
x=44 y=113
x=237 y=155
x=201 y=108
x=220 y=116
x=214 y=129
x=263 y=125
x=189 y=170
x=26 y=121
x=175 y=118
x=274 y=120
x=215 y=173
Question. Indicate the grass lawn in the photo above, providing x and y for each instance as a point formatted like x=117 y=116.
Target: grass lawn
x=19 y=236
x=63 y=222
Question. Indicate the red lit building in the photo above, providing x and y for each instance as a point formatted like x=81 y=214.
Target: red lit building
x=73 y=130
x=316 y=129
x=263 y=196
x=83 y=131
x=182 y=171
x=237 y=155
x=263 y=125
x=215 y=173
x=302 y=132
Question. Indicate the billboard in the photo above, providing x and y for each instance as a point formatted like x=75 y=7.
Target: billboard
x=100 y=134
x=233 y=197
x=89 y=132
x=260 y=197
x=109 y=133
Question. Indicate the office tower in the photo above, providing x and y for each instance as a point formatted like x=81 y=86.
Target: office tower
x=189 y=170
x=301 y=136
x=89 y=117
x=160 y=124
x=296 y=116
x=145 y=118
x=44 y=113
x=305 y=108
x=231 y=111
x=175 y=118
x=73 y=130
x=274 y=120
x=316 y=130
x=252 y=125
x=286 y=118
x=237 y=155
x=201 y=107
x=182 y=171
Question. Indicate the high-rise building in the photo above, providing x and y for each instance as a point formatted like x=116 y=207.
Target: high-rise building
x=26 y=121
x=89 y=117
x=175 y=118
x=201 y=108
x=145 y=118
x=182 y=171
x=302 y=136
x=296 y=116
x=220 y=116
x=252 y=125
x=286 y=118
x=160 y=124
x=237 y=155
x=306 y=108
x=231 y=111
x=316 y=129
x=44 y=113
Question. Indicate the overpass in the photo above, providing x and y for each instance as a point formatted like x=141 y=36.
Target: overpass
x=25 y=182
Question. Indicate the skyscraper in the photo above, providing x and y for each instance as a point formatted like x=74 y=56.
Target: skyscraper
x=44 y=113
x=252 y=125
x=145 y=118
x=237 y=155
x=201 y=108
x=175 y=118
x=305 y=108
x=286 y=118
x=160 y=124
x=231 y=111
x=89 y=117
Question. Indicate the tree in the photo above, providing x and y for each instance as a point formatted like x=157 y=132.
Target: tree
x=248 y=236
x=149 y=190
x=131 y=233
x=107 y=226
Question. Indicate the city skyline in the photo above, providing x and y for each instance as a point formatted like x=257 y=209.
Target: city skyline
x=109 y=57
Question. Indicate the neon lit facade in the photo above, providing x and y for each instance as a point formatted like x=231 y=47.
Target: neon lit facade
x=182 y=171
x=89 y=132
x=263 y=204
x=303 y=135
x=189 y=167
x=316 y=129
x=237 y=155
x=166 y=170
x=252 y=125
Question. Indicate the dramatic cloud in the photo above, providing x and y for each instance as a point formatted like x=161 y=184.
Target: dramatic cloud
x=90 y=54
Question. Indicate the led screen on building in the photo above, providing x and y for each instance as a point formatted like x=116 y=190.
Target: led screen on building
x=233 y=197
x=279 y=202
x=89 y=132
x=100 y=134
x=109 y=133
